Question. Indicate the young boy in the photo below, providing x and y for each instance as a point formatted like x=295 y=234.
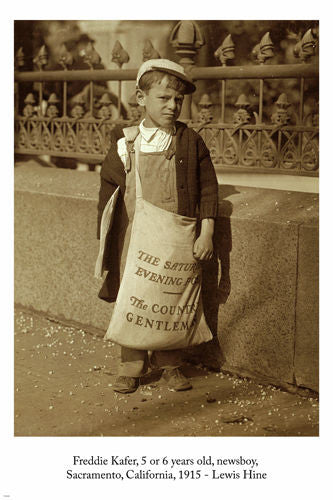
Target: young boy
x=176 y=175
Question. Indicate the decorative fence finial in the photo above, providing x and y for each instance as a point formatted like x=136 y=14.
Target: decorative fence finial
x=119 y=54
x=29 y=108
x=77 y=110
x=149 y=52
x=264 y=49
x=281 y=116
x=105 y=111
x=225 y=51
x=242 y=116
x=41 y=58
x=52 y=109
x=65 y=58
x=187 y=39
x=306 y=47
x=90 y=56
x=205 y=105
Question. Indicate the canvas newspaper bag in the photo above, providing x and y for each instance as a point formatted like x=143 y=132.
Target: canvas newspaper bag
x=159 y=304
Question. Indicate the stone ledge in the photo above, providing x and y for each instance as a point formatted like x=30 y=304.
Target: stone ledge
x=31 y=177
x=248 y=202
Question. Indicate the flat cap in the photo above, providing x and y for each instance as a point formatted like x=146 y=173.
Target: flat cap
x=169 y=67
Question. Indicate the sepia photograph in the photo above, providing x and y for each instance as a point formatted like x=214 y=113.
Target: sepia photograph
x=166 y=228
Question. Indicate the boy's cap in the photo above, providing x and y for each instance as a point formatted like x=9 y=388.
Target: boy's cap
x=169 y=67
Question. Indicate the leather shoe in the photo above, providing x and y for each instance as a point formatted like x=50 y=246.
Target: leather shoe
x=126 y=385
x=176 y=380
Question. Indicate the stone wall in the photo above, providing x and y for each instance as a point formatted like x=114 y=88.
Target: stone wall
x=260 y=293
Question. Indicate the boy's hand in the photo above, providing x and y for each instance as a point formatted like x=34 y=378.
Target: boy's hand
x=203 y=247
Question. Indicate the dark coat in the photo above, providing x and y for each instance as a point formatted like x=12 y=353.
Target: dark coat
x=196 y=188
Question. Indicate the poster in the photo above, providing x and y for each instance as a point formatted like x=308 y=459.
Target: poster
x=238 y=462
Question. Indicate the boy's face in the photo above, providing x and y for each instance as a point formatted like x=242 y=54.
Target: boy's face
x=162 y=104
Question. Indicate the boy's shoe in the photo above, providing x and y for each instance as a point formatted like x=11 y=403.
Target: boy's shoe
x=176 y=380
x=126 y=385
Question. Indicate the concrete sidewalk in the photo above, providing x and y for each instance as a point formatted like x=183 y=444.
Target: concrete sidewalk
x=63 y=387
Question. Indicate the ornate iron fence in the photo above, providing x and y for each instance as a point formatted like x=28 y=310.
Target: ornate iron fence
x=247 y=139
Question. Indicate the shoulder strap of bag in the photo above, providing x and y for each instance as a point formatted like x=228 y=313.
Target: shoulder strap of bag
x=130 y=134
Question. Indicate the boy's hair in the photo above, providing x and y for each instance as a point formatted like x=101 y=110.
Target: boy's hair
x=148 y=79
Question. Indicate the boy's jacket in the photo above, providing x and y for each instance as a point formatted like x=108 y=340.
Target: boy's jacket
x=196 y=188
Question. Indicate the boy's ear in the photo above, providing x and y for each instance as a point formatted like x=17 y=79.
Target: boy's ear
x=140 y=97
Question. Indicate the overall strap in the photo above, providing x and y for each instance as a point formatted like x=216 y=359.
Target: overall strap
x=138 y=186
x=130 y=133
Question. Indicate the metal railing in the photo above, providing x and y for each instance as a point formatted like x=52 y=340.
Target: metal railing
x=246 y=139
